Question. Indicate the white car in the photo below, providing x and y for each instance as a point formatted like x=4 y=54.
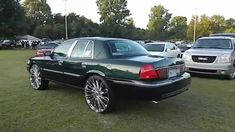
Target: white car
x=164 y=49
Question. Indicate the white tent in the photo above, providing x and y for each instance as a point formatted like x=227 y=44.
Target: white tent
x=28 y=37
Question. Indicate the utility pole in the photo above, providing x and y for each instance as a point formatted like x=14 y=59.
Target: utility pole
x=66 y=20
x=195 y=26
x=194 y=29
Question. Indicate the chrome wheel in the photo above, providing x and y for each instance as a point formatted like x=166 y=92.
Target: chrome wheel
x=97 y=94
x=35 y=77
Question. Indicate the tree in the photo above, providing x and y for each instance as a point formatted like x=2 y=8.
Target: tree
x=178 y=27
x=113 y=16
x=218 y=23
x=205 y=26
x=58 y=19
x=230 y=23
x=12 y=18
x=38 y=13
x=44 y=31
x=158 y=22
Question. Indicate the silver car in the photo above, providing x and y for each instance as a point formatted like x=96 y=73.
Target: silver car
x=164 y=49
x=212 y=55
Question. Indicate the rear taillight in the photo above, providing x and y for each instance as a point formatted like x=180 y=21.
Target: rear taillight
x=148 y=72
x=39 y=53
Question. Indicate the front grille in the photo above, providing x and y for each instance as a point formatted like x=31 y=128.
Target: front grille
x=202 y=70
x=203 y=59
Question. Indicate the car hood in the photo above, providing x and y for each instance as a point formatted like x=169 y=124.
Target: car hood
x=209 y=52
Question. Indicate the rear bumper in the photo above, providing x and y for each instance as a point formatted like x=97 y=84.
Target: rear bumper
x=210 y=68
x=153 y=90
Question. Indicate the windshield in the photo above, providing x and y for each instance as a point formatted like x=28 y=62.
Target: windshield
x=155 y=47
x=124 y=48
x=213 y=44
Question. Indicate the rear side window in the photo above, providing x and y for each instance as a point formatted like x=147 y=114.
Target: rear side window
x=62 y=49
x=155 y=47
x=83 y=49
x=101 y=51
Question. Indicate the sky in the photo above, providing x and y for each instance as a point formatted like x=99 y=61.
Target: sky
x=140 y=9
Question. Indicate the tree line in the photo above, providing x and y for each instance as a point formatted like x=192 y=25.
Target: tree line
x=35 y=17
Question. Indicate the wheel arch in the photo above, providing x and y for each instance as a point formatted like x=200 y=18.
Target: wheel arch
x=91 y=73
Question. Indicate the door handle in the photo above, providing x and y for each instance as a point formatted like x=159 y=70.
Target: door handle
x=60 y=62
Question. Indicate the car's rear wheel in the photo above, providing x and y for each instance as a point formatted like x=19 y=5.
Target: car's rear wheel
x=98 y=95
x=36 y=80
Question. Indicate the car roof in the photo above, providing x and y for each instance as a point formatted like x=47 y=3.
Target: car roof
x=99 y=38
x=224 y=34
x=159 y=43
x=217 y=37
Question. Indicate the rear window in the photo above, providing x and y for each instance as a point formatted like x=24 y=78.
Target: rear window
x=123 y=48
x=213 y=44
x=47 y=46
x=155 y=47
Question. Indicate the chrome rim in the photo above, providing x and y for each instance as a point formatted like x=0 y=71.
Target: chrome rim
x=35 y=78
x=96 y=94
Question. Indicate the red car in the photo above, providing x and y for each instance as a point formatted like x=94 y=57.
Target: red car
x=42 y=49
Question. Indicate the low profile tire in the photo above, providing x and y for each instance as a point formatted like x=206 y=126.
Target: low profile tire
x=99 y=95
x=36 y=80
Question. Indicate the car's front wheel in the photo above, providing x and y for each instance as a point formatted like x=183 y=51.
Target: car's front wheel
x=99 y=95
x=36 y=79
x=231 y=76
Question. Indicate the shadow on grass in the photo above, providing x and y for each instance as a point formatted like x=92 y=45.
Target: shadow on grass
x=124 y=104
x=208 y=76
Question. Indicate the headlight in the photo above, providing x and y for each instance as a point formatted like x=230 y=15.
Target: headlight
x=186 y=57
x=225 y=59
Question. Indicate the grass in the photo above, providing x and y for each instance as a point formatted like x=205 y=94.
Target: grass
x=208 y=106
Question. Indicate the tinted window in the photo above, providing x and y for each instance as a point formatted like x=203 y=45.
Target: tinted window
x=101 y=51
x=213 y=44
x=62 y=49
x=155 y=47
x=122 y=48
x=47 y=46
x=83 y=49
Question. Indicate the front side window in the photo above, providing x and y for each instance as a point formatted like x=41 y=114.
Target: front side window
x=213 y=44
x=62 y=49
x=83 y=49
x=123 y=48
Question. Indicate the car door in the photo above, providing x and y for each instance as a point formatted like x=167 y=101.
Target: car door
x=76 y=66
x=53 y=67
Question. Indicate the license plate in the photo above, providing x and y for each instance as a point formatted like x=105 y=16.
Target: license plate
x=172 y=73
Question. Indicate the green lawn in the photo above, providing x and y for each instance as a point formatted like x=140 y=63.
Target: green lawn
x=208 y=106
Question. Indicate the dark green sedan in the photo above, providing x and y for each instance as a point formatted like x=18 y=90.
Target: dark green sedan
x=108 y=67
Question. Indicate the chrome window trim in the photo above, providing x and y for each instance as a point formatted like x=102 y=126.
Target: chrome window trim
x=71 y=48
x=92 y=49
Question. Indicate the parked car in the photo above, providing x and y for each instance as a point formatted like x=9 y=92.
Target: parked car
x=7 y=44
x=163 y=49
x=105 y=67
x=212 y=55
x=184 y=47
x=42 y=49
